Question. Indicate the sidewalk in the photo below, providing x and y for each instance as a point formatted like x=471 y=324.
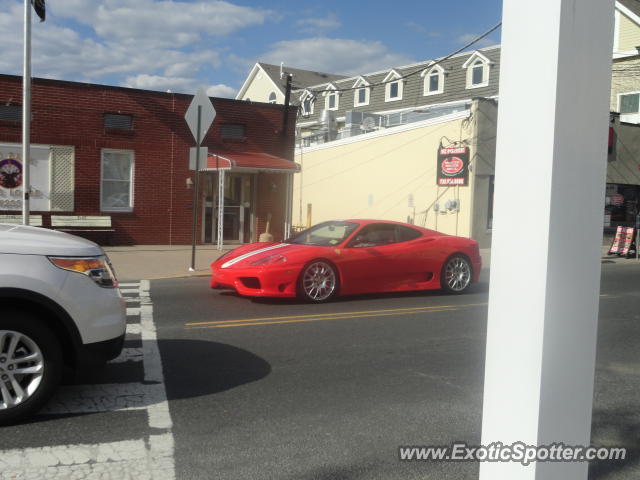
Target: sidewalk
x=153 y=262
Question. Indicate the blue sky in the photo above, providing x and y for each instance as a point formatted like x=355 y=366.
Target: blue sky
x=179 y=45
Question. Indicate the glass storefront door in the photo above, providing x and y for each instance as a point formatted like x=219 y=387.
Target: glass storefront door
x=238 y=208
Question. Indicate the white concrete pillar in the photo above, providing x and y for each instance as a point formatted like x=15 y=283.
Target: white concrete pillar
x=551 y=156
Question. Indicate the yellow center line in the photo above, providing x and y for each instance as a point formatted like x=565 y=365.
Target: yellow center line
x=335 y=315
x=306 y=320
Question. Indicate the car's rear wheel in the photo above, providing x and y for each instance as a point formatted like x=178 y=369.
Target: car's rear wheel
x=318 y=281
x=30 y=365
x=456 y=274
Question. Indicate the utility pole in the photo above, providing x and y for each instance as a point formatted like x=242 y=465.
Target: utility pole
x=26 y=114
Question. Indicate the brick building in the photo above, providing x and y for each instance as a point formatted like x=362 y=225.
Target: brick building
x=123 y=153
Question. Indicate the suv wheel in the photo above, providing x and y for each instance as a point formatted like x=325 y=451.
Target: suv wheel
x=30 y=365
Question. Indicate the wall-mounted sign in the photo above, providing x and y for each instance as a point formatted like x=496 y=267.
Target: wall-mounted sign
x=11 y=171
x=453 y=166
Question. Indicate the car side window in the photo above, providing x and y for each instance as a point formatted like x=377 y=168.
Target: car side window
x=374 y=236
x=404 y=234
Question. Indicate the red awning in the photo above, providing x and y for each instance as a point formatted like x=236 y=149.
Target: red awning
x=250 y=161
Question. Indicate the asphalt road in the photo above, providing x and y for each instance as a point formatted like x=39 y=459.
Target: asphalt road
x=275 y=389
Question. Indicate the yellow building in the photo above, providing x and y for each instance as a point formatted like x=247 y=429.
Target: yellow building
x=392 y=174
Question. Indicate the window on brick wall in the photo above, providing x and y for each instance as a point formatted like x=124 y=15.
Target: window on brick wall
x=118 y=121
x=11 y=113
x=232 y=130
x=116 y=185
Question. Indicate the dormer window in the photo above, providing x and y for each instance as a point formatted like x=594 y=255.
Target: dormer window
x=331 y=98
x=393 y=89
x=361 y=92
x=307 y=101
x=477 y=73
x=477 y=70
x=433 y=80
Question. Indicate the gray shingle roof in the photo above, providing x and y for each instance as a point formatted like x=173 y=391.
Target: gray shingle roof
x=301 y=78
x=413 y=94
x=633 y=5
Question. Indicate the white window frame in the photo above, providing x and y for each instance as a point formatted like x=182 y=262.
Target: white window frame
x=328 y=93
x=629 y=117
x=388 y=81
x=361 y=84
x=275 y=97
x=303 y=98
x=104 y=208
x=427 y=73
x=470 y=64
x=620 y=95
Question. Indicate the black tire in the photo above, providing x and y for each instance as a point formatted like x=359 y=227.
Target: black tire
x=318 y=281
x=30 y=326
x=456 y=274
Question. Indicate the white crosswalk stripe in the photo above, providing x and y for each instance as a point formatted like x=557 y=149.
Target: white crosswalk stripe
x=149 y=457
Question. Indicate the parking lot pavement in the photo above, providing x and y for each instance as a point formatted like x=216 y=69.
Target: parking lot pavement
x=266 y=389
x=116 y=427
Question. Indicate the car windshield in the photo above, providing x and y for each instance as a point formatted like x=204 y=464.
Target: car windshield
x=325 y=234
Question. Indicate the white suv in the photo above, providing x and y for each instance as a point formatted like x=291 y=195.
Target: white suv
x=60 y=312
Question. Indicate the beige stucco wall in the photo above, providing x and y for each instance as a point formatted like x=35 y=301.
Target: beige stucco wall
x=339 y=179
x=260 y=88
x=628 y=34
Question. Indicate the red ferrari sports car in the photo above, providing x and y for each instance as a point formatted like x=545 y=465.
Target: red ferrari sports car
x=345 y=257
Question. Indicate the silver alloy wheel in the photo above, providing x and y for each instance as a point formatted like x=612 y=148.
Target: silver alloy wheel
x=319 y=281
x=21 y=368
x=457 y=274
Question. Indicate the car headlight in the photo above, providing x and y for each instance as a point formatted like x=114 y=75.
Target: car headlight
x=98 y=269
x=271 y=259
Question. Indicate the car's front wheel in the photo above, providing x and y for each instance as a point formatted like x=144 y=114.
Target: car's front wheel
x=30 y=365
x=456 y=274
x=318 y=281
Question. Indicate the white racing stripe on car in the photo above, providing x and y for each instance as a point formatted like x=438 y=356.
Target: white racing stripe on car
x=251 y=254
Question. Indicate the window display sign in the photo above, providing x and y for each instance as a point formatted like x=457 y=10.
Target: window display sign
x=623 y=241
x=453 y=166
x=11 y=177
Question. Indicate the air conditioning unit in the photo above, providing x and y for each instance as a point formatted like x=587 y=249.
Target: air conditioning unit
x=364 y=120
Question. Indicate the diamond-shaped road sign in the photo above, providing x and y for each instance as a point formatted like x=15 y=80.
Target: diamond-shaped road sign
x=208 y=113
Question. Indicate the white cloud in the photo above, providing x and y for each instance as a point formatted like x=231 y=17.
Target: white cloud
x=66 y=52
x=334 y=55
x=170 y=24
x=156 y=82
x=468 y=37
x=221 y=90
x=177 y=85
x=318 y=25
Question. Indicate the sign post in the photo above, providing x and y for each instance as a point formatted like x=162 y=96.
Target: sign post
x=199 y=117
